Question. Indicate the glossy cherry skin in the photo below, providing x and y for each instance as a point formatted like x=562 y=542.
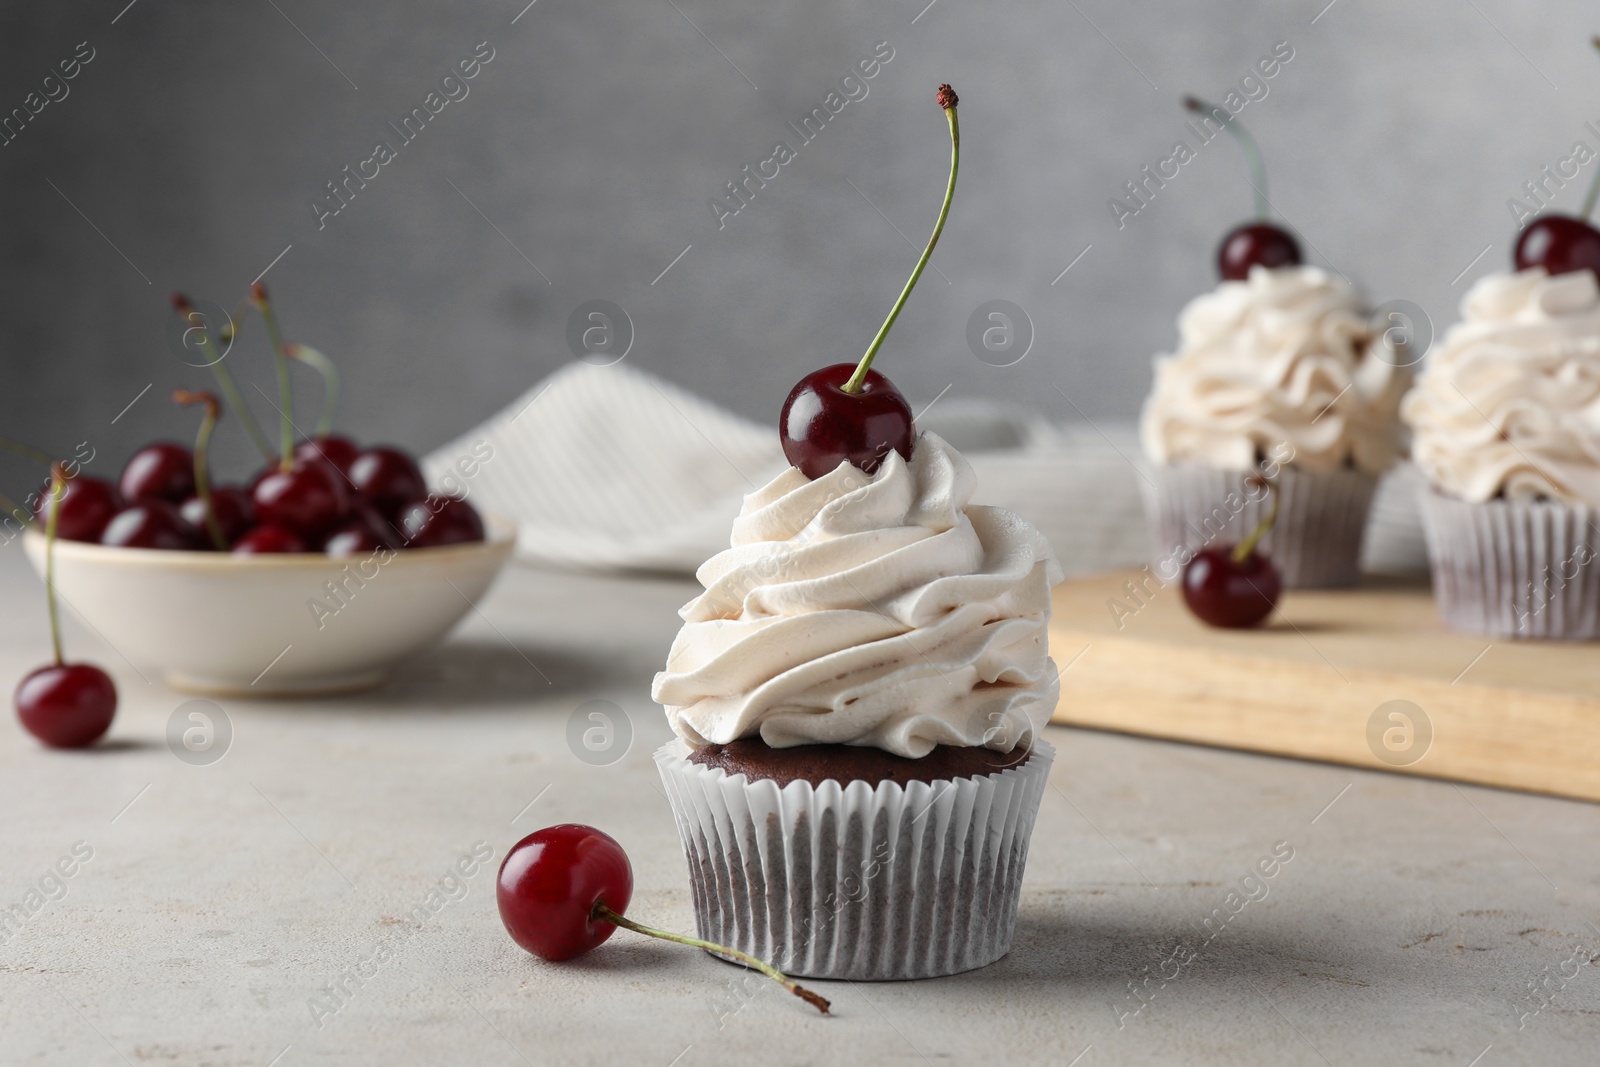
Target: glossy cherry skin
x=67 y=705
x=550 y=882
x=308 y=499
x=268 y=540
x=388 y=479
x=87 y=505
x=822 y=426
x=1224 y=593
x=440 y=520
x=1560 y=244
x=162 y=471
x=339 y=451
x=235 y=512
x=1256 y=244
x=151 y=524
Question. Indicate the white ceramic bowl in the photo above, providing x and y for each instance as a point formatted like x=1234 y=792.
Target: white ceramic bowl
x=272 y=625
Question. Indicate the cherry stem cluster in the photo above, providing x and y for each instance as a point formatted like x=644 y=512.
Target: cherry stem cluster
x=330 y=381
x=197 y=323
x=1243 y=549
x=202 y=448
x=854 y=384
x=1252 y=154
x=605 y=914
x=258 y=297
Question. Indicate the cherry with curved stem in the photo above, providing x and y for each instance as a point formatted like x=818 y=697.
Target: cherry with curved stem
x=1256 y=243
x=202 y=446
x=330 y=382
x=64 y=705
x=258 y=297
x=1235 y=586
x=219 y=369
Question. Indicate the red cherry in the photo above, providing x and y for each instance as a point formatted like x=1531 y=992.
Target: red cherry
x=1230 y=593
x=822 y=426
x=1560 y=244
x=67 y=705
x=440 y=520
x=363 y=534
x=268 y=540
x=87 y=505
x=339 y=451
x=388 y=479
x=1256 y=244
x=308 y=498
x=162 y=471
x=151 y=524
x=550 y=882
x=235 y=512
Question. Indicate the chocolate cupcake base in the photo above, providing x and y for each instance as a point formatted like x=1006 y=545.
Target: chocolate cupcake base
x=1512 y=568
x=1316 y=542
x=865 y=881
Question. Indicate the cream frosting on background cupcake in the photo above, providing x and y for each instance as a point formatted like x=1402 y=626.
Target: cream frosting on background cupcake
x=1506 y=425
x=885 y=612
x=1279 y=374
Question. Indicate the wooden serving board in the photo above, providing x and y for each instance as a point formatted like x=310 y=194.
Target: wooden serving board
x=1317 y=680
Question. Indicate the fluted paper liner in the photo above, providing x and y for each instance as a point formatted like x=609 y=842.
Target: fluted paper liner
x=1508 y=568
x=859 y=882
x=1315 y=544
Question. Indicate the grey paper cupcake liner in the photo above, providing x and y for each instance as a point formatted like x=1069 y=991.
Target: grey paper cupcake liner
x=1315 y=544
x=859 y=882
x=1507 y=568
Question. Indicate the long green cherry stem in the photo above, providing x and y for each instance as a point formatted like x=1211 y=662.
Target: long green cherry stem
x=27 y=452
x=58 y=489
x=330 y=382
x=947 y=100
x=1252 y=154
x=605 y=914
x=1594 y=183
x=202 y=449
x=258 y=297
x=1242 y=551
x=197 y=322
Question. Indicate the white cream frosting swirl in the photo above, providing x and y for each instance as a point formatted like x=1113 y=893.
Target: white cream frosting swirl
x=881 y=610
x=1509 y=403
x=1283 y=357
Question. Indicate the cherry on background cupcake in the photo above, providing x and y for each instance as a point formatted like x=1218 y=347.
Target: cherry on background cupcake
x=1258 y=243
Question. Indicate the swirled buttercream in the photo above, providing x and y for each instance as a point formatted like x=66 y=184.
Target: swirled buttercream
x=881 y=610
x=1509 y=403
x=1282 y=357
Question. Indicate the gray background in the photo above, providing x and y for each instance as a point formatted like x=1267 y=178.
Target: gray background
x=198 y=137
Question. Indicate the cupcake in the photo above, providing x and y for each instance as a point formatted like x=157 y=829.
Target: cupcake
x=857 y=697
x=1506 y=425
x=1274 y=374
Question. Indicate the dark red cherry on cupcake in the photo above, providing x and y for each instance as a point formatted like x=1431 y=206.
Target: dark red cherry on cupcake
x=64 y=705
x=268 y=541
x=151 y=524
x=160 y=471
x=1257 y=243
x=1561 y=244
x=562 y=890
x=440 y=520
x=1235 y=586
x=231 y=504
x=308 y=498
x=87 y=505
x=388 y=479
x=849 y=413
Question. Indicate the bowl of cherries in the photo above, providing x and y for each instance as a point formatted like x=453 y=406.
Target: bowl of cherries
x=328 y=567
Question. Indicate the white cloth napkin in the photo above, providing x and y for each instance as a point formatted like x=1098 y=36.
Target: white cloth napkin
x=611 y=468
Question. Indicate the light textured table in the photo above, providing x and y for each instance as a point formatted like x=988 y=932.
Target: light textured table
x=220 y=900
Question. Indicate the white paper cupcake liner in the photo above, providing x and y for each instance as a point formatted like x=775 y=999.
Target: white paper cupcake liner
x=863 y=883
x=1509 y=568
x=1315 y=544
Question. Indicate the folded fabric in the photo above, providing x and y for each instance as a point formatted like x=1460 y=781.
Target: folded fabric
x=612 y=468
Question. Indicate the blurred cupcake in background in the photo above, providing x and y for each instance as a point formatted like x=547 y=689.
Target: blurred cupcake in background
x=1506 y=424
x=1276 y=373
